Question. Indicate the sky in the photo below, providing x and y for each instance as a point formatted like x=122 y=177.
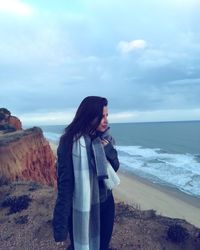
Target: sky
x=143 y=56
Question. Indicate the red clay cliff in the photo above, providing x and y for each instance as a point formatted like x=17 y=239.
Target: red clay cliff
x=14 y=121
x=26 y=155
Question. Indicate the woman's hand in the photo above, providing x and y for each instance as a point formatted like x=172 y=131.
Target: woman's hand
x=60 y=244
x=105 y=142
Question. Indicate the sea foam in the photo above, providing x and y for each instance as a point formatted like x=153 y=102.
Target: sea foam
x=178 y=170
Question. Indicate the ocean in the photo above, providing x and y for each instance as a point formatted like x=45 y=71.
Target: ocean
x=167 y=153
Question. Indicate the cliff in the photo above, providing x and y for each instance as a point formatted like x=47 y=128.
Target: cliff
x=26 y=155
x=28 y=207
x=15 y=121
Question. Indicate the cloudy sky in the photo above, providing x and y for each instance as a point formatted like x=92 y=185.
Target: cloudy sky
x=144 y=56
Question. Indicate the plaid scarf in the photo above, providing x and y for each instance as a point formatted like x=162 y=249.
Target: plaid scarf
x=86 y=203
x=86 y=207
x=103 y=168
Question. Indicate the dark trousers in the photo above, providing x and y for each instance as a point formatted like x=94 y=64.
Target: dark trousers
x=107 y=214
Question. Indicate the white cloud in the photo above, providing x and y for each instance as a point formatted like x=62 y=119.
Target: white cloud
x=155 y=115
x=166 y=115
x=187 y=82
x=183 y=3
x=65 y=117
x=127 y=47
x=155 y=57
x=122 y=116
x=46 y=118
x=44 y=43
x=15 y=7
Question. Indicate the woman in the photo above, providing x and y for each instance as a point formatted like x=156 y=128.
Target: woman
x=85 y=204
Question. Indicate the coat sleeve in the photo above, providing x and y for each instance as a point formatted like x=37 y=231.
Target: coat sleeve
x=65 y=185
x=112 y=156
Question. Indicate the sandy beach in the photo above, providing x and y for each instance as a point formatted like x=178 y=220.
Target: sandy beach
x=166 y=201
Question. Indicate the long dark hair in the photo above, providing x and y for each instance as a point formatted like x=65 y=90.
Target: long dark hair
x=87 y=118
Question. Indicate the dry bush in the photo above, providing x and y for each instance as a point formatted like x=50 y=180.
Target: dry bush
x=177 y=233
x=16 y=204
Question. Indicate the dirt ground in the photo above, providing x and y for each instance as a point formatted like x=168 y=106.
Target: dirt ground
x=31 y=229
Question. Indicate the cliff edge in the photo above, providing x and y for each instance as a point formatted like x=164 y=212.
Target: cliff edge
x=26 y=155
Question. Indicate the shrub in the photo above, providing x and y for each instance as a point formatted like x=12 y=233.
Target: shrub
x=34 y=186
x=22 y=220
x=4 y=181
x=16 y=204
x=177 y=233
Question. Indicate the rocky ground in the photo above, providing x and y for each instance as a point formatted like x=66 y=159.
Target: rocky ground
x=26 y=214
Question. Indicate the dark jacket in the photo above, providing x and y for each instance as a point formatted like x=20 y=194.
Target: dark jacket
x=65 y=182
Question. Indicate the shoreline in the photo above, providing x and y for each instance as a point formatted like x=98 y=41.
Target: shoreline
x=166 y=201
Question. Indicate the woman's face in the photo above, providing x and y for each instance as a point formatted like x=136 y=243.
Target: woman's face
x=104 y=121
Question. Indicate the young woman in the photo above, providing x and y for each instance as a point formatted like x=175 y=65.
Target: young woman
x=86 y=159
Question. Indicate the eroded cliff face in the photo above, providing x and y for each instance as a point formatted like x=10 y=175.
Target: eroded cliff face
x=26 y=155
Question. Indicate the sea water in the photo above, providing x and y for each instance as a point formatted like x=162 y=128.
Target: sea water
x=167 y=153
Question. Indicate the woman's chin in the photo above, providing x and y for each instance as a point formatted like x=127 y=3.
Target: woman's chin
x=103 y=129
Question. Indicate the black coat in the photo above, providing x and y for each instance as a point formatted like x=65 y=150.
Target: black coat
x=65 y=183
